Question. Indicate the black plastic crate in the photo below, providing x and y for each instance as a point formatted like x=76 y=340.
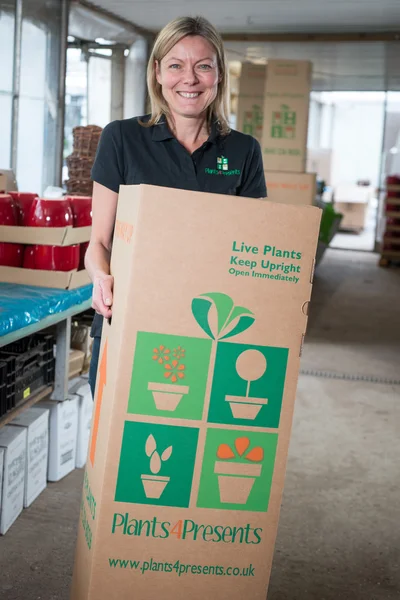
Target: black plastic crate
x=3 y=388
x=30 y=365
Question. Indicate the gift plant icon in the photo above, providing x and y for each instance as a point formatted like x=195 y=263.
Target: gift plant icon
x=155 y=484
x=167 y=396
x=235 y=477
x=229 y=321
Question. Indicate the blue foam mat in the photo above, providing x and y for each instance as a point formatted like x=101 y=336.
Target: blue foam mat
x=23 y=305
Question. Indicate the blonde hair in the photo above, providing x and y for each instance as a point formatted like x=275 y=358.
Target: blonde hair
x=170 y=35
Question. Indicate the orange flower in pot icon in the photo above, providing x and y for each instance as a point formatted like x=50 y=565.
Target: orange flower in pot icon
x=167 y=396
x=236 y=479
x=154 y=484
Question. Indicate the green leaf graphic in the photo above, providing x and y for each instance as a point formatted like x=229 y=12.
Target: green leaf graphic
x=243 y=324
x=224 y=306
x=227 y=312
x=200 y=310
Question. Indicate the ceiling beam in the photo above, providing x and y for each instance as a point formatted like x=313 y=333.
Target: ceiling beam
x=146 y=33
x=384 y=36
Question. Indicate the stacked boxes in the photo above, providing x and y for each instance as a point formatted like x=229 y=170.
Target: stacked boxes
x=274 y=107
x=286 y=108
x=250 y=101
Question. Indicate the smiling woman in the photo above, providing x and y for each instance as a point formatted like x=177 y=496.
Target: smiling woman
x=185 y=143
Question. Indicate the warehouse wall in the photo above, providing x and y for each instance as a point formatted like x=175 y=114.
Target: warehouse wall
x=357 y=141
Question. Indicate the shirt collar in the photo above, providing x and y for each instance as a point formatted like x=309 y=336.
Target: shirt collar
x=161 y=131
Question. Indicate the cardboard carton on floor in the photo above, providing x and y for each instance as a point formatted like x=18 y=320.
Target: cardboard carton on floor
x=195 y=396
x=63 y=427
x=13 y=442
x=251 y=100
x=1 y=473
x=85 y=413
x=36 y=422
x=286 y=108
x=291 y=188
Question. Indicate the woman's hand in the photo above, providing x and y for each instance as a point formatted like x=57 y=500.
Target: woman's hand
x=103 y=285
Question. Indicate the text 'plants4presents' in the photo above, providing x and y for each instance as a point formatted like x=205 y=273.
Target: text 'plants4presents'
x=195 y=395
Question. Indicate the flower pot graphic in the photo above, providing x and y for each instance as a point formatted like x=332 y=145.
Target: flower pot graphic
x=236 y=479
x=250 y=366
x=167 y=396
x=154 y=484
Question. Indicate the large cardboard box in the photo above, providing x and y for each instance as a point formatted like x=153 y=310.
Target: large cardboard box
x=291 y=188
x=251 y=100
x=63 y=427
x=13 y=441
x=195 y=396
x=36 y=422
x=286 y=108
x=85 y=413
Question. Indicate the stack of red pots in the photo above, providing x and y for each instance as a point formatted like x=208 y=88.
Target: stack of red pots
x=10 y=254
x=27 y=209
x=392 y=181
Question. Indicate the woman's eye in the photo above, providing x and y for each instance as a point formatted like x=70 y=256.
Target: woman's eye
x=205 y=67
x=175 y=66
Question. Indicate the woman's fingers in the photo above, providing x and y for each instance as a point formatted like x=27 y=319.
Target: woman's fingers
x=103 y=295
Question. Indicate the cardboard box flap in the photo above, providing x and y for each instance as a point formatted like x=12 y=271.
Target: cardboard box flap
x=51 y=279
x=49 y=236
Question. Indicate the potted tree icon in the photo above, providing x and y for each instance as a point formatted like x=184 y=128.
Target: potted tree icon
x=250 y=365
x=167 y=396
x=236 y=479
x=154 y=484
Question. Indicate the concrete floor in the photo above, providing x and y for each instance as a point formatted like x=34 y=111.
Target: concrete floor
x=339 y=533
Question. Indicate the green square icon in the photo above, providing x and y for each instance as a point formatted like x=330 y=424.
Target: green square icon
x=237 y=470
x=277 y=131
x=169 y=376
x=248 y=385
x=156 y=464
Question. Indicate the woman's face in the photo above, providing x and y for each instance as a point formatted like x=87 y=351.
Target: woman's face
x=189 y=76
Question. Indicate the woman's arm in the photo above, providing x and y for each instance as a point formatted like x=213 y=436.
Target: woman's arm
x=97 y=259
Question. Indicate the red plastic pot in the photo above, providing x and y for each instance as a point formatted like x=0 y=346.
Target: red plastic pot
x=82 y=252
x=29 y=258
x=81 y=210
x=56 y=258
x=8 y=210
x=24 y=202
x=50 y=213
x=11 y=254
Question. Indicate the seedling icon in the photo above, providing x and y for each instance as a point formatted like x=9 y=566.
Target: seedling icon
x=250 y=366
x=155 y=484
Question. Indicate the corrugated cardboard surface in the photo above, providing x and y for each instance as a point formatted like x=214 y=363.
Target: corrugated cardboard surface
x=64 y=280
x=251 y=100
x=291 y=188
x=286 y=108
x=177 y=283
x=48 y=236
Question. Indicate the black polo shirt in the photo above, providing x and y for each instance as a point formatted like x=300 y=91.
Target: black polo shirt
x=130 y=154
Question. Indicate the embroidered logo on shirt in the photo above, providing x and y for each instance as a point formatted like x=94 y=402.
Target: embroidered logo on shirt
x=222 y=168
x=222 y=163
